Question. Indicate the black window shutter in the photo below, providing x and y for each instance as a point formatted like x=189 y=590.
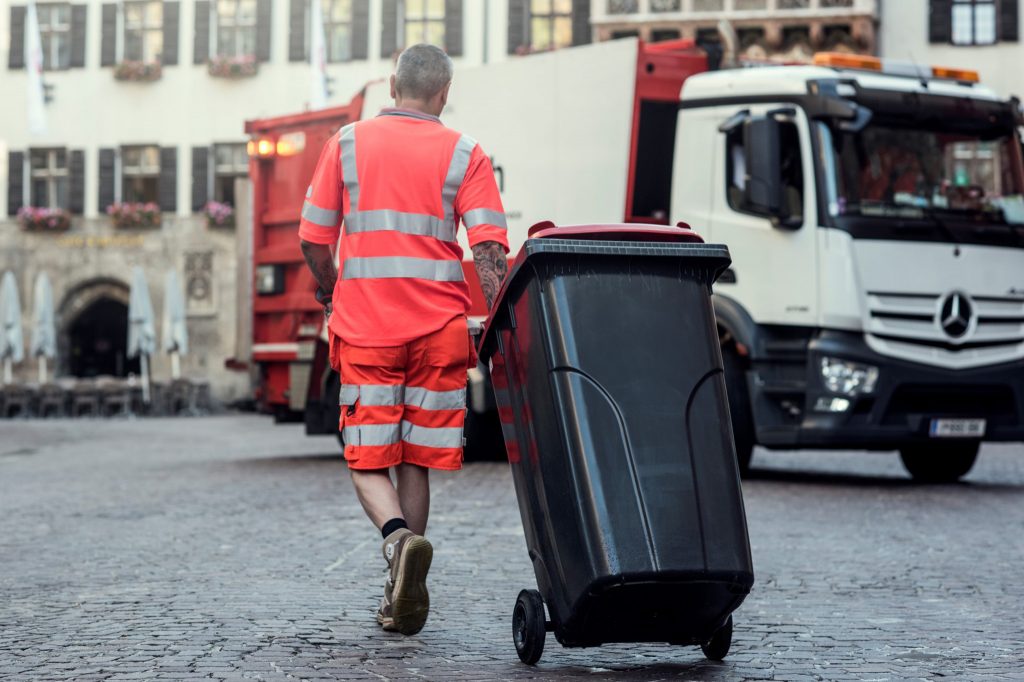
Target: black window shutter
x=1009 y=21
x=264 y=19
x=360 y=29
x=15 y=181
x=76 y=181
x=200 y=175
x=201 y=40
x=170 y=53
x=518 y=35
x=108 y=37
x=167 y=186
x=581 y=32
x=453 y=27
x=389 y=29
x=297 y=30
x=106 y=185
x=940 y=21
x=16 y=59
x=78 y=15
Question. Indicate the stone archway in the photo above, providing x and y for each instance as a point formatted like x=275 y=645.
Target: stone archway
x=93 y=330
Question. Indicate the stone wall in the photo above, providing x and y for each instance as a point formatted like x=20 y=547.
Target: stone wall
x=94 y=259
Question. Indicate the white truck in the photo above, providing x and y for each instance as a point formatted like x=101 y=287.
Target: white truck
x=874 y=211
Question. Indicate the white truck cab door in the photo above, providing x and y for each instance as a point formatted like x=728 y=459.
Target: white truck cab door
x=775 y=265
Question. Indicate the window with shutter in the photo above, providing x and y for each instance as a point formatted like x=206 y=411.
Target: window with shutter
x=167 y=184
x=48 y=175
x=422 y=22
x=230 y=163
x=55 y=35
x=264 y=21
x=236 y=28
x=453 y=27
x=79 y=13
x=551 y=24
x=200 y=177
x=140 y=174
x=338 y=29
x=1009 y=20
x=143 y=37
x=973 y=22
x=297 y=31
x=106 y=195
x=201 y=35
x=169 y=57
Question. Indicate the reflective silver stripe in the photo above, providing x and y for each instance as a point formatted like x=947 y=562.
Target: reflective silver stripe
x=431 y=437
x=324 y=217
x=309 y=191
x=371 y=434
x=371 y=394
x=407 y=223
x=387 y=267
x=416 y=396
x=456 y=174
x=349 y=174
x=484 y=216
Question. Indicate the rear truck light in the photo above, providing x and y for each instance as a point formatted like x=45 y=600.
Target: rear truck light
x=270 y=280
x=261 y=148
x=291 y=144
x=832 y=405
x=848 y=378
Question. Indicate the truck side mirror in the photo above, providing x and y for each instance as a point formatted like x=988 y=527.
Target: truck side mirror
x=762 y=144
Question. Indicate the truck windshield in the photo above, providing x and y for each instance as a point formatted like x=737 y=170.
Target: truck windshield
x=912 y=172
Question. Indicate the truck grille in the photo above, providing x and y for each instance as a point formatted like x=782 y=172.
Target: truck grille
x=937 y=330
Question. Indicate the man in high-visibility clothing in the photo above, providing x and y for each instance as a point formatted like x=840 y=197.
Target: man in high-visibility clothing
x=401 y=183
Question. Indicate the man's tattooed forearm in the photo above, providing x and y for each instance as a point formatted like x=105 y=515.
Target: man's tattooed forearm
x=321 y=263
x=491 y=268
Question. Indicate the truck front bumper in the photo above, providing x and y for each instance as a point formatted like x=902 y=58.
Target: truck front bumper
x=900 y=409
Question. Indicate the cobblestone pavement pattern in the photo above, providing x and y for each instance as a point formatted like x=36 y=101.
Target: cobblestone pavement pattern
x=232 y=548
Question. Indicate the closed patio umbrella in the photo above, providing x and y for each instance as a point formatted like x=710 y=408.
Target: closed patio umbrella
x=175 y=329
x=141 y=327
x=12 y=337
x=44 y=325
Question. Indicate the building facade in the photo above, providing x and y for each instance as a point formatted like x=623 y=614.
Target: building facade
x=782 y=30
x=144 y=127
x=972 y=34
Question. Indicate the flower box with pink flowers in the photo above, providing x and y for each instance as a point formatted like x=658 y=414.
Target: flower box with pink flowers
x=245 y=66
x=131 y=215
x=219 y=214
x=34 y=219
x=138 y=72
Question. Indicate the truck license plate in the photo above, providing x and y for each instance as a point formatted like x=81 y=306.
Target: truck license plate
x=957 y=428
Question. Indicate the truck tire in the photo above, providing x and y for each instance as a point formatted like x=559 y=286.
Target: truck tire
x=939 y=462
x=739 y=407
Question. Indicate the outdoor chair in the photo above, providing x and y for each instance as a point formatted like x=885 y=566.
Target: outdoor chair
x=115 y=397
x=17 y=401
x=53 y=400
x=85 y=399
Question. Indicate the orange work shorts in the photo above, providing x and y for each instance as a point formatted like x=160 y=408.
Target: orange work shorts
x=405 y=404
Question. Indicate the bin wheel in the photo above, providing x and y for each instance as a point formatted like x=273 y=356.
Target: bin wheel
x=718 y=647
x=528 y=628
x=739 y=406
x=939 y=462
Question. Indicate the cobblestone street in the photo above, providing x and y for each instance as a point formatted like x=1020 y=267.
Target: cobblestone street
x=232 y=548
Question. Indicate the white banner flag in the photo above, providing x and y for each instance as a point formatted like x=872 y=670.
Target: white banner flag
x=34 y=66
x=317 y=58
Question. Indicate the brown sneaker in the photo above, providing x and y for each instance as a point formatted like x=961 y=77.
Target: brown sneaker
x=406 y=602
x=384 y=610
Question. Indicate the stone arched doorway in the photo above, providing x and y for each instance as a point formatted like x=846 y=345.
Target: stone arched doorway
x=93 y=335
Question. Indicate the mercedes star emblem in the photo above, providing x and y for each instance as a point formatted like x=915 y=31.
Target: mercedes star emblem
x=955 y=314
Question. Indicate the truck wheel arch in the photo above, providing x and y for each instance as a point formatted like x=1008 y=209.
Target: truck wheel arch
x=735 y=325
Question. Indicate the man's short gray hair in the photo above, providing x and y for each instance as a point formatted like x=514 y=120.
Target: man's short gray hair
x=423 y=71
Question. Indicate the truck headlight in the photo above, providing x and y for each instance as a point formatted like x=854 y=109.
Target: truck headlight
x=848 y=378
x=269 y=280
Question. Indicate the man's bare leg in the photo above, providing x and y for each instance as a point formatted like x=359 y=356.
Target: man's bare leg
x=414 y=495
x=378 y=496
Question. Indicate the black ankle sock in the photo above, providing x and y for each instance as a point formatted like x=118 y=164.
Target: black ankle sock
x=391 y=526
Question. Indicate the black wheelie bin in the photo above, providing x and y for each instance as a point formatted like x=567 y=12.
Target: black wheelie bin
x=607 y=372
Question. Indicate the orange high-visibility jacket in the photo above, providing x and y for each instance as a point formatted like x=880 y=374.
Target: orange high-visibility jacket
x=401 y=182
